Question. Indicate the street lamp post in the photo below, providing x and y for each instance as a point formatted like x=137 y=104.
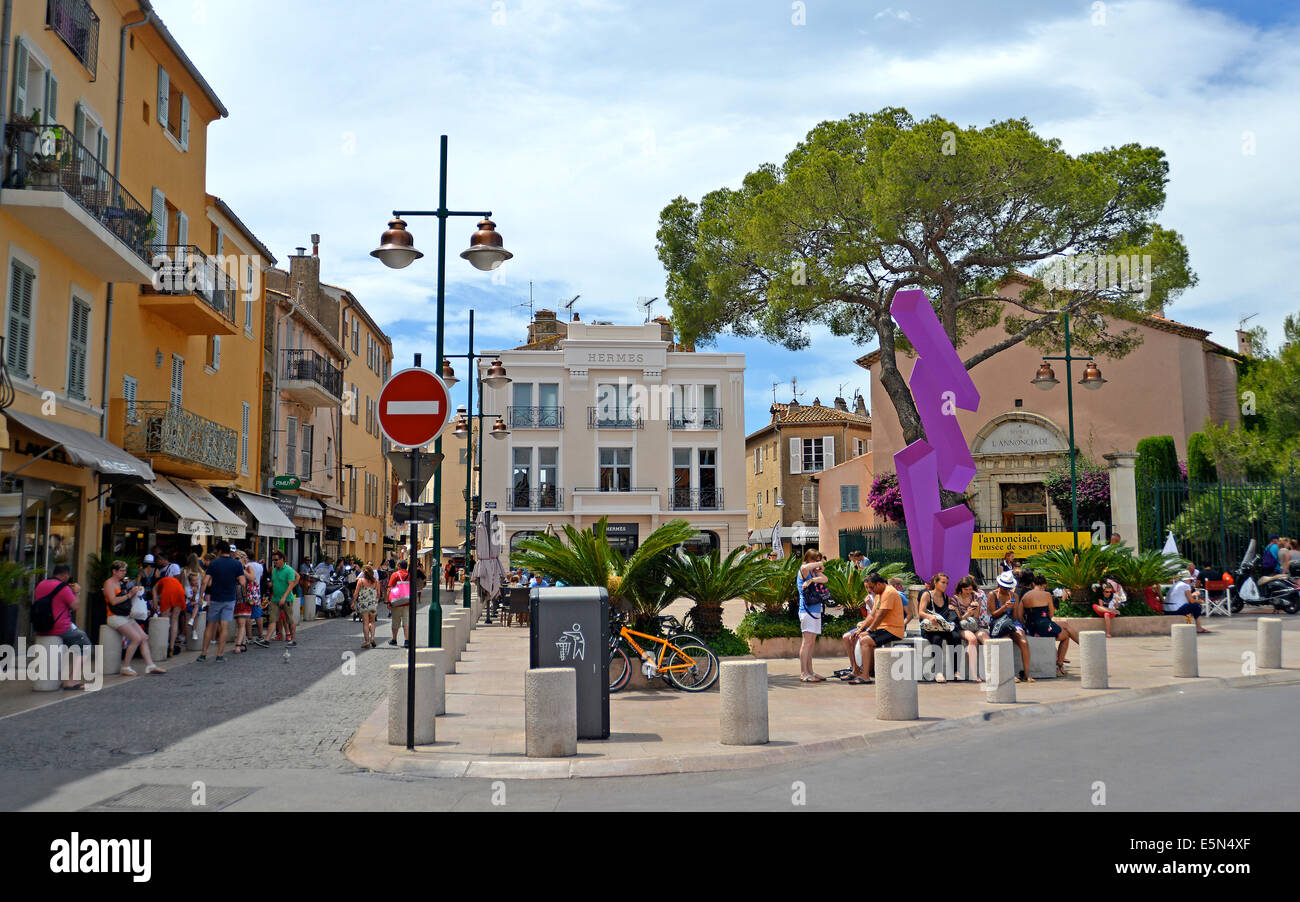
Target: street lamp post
x=486 y=253
x=496 y=379
x=1092 y=380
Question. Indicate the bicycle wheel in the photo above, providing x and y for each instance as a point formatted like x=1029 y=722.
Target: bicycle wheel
x=620 y=669
x=692 y=667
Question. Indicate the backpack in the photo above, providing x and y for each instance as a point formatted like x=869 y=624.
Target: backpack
x=43 y=610
x=1269 y=560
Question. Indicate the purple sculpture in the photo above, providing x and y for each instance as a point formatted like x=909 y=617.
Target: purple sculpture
x=941 y=538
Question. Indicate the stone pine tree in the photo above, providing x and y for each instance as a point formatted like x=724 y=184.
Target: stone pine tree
x=871 y=204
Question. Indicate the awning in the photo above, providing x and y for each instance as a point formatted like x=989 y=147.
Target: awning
x=229 y=524
x=804 y=535
x=271 y=521
x=760 y=536
x=335 y=511
x=191 y=519
x=87 y=449
x=309 y=509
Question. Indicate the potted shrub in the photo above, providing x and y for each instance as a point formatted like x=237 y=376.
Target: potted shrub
x=709 y=580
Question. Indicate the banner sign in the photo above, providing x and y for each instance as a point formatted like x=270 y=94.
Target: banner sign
x=995 y=545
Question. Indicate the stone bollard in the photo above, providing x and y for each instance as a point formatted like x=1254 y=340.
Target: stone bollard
x=199 y=629
x=1184 y=636
x=438 y=658
x=896 y=693
x=425 y=678
x=1268 y=643
x=304 y=609
x=744 y=702
x=463 y=626
x=110 y=650
x=551 y=712
x=451 y=638
x=1000 y=666
x=1095 y=669
x=159 y=633
x=51 y=651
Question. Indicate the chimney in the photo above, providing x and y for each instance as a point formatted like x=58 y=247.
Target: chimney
x=665 y=329
x=817 y=402
x=841 y=404
x=304 y=272
x=315 y=245
x=860 y=406
x=1243 y=343
x=793 y=405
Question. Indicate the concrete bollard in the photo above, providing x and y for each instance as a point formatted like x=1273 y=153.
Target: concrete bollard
x=438 y=658
x=463 y=627
x=896 y=693
x=743 y=685
x=1095 y=669
x=159 y=632
x=425 y=678
x=551 y=712
x=451 y=637
x=194 y=634
x=110 y=650
x=1184 y=636
x=1268 y=643
x=51 y=649
x=1000 y=665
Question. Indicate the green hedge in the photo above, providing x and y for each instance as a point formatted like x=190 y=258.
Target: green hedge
x=758 y=625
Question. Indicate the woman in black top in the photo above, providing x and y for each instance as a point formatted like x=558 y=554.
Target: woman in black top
x=936 y=613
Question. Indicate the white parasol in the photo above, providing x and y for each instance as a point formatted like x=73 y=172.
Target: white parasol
x=776 y=541
x=1171 y=547
x=488 y=572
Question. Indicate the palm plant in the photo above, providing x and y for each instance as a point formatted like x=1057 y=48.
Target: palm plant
x=585 y=558
x=1076 y=571
x=848 y=585
x=709 y=580
x=1137 y=573
x=778 y=586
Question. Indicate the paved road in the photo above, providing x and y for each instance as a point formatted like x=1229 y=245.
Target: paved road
x=277 y=730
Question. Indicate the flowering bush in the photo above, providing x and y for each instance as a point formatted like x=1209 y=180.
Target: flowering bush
x=885 y=497
x=1093 y=490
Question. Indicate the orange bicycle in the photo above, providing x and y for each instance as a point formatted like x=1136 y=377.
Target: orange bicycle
x=683 y=660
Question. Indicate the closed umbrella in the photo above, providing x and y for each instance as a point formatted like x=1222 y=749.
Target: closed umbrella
x=776 y=541
x=488 y=572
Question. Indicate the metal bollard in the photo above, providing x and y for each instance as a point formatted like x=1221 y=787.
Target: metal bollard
x=1268 y=643
x=1096 y=671
x=551 y=712
x=896 y=693
x=1000 y=667
x=1184 y=640
x=743 y=686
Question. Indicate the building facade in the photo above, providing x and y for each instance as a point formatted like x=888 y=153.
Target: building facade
x=784 y=458
x=368 y=360
x=617 y=422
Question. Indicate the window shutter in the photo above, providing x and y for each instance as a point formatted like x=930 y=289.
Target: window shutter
x=159 y=211
x=128 y=395
x=216 y=352
x=185 y=122
x=178 y=381
x=18 y=346
x=78 y=349
x=164 y=96
x=291 y=447
x=220 y=249
x=182 y=230
x=243 y=440
x=21 y=63
x=796 y=455
x=828 y=452
x=51 y=99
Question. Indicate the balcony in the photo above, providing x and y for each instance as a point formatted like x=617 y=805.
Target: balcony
x=603 y=418
x=57 y=187
x=310 y=379
x=176 y=441
x=535 y=417
x=543 y=498
x=190 y=291
x=697 y=499
x=698 y=418
x=619 y=490
x=78 y=27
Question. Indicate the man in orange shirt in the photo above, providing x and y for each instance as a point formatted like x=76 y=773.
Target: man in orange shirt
x=884 y=626
x=169 y=598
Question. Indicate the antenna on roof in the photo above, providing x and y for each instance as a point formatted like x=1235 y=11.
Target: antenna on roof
x=794 y=388
x=1245 y=319
x=775 y=386
x=648 y=304
x=529 y=305
x=569 y=306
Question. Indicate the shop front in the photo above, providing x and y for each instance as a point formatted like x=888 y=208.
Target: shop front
x=268 y=527
x=309 y=521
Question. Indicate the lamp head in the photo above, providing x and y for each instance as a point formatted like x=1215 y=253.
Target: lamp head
x=1046 y=378
x=1092 y=377
x=496 y=375
x=448 y=374
x=486 y=250
x=396 y=247
x=499 y=429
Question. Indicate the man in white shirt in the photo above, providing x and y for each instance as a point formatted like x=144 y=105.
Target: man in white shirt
x=1182 y=599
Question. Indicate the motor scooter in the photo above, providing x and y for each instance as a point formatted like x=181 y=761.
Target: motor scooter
x=1280 y=591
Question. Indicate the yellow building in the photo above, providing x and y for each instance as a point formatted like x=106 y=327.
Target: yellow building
x=365 y=477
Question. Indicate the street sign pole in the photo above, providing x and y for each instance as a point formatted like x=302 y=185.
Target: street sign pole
x=414 y=488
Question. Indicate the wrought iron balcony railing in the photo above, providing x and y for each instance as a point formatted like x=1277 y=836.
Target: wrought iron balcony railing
x=77 y=26
x=542 y=498
x=161 y=429
x=311 y=366
x=697 y=499
x=697 y=418
x=603 y=418
x=615 y=487
x=535 y=417
x=184 y=269
x=50 y=158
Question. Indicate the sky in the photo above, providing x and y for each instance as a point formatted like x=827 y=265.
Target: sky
x=577 y=122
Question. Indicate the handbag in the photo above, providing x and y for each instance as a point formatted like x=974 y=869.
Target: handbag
x=970 y=623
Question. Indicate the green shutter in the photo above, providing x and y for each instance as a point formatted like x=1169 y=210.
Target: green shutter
x=22 y=62
x=78 y=349
x=22 y=283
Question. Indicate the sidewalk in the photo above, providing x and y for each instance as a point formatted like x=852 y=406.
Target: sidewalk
x=653 y=732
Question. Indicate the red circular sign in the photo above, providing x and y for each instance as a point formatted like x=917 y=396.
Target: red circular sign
x=414 y=406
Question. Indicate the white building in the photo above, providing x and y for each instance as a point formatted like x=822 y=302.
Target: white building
x=617 y=422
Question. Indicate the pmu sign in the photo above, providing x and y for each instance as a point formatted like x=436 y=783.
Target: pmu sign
x=414 y=406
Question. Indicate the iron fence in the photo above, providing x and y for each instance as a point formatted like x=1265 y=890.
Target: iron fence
x=698 y=418
x=542 y=498
x=184 y=269
x=696 y=499
x=78 y=27
x=311 y=366
x=1213 y=523
x=535 y=417
x=161 y=429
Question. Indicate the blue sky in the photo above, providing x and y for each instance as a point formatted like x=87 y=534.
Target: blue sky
x=576 y=122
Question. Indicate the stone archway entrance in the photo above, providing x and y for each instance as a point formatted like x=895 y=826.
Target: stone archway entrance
x=1013 y=454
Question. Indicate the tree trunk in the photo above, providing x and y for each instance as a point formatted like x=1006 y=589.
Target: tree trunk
x=708 y=621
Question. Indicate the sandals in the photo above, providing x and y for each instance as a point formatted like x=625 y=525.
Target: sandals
x=812 y=679
x=1060 y=670
x=128 y=671
x=860 y=681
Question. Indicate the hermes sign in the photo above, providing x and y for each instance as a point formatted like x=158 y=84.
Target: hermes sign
x=615 y=358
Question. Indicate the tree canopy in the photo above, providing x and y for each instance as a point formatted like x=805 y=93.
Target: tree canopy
x=877 y=202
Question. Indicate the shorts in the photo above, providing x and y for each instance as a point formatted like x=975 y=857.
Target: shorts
x=274 y=610
x=401 y=616
x=1040 y=624
x=1103 y=612
x=883 y=638
x=852 y=634
x=257 y=612
x=1189 y=608
x=221 y=611
x=810 y=623
x=117 y=621
x=76 y=638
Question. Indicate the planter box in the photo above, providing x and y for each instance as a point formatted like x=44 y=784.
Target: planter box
x=1156 y=625
x=789 y=648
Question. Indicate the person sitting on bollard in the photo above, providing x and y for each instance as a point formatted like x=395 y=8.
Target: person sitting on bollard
x=1003 y=607
x=1183 y=599
x=938 y=620
x=851 y=639
x=972 y=624
x=65 y=600
x=1039 y=609
x=1107 y=605
x=883 y=628
x=120 y=599
x=811 y=582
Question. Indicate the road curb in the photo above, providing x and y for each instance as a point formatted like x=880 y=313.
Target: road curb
x=368 y=748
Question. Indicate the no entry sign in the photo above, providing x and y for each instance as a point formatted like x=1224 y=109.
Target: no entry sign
x=414 y=406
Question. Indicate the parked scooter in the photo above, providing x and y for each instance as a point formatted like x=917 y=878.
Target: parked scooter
x=1278 y=591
